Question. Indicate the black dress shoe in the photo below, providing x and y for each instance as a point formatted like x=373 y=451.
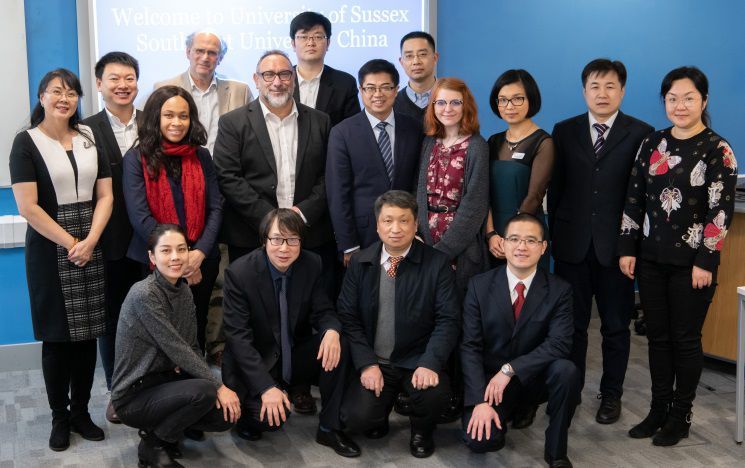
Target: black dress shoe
x=194 y=434
x=339 y=441
x=173 y=449
x=421 y=444
x=562 y=462
x=303 y=402
x=403 y=404
x=609 y=411
x=377 y=432
x=453 y=410
x=247 y=434
x=524 y=417
x=152 y=453
x=83 y=425
x=59 y=438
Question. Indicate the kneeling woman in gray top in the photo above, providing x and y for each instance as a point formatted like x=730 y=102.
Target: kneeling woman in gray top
x=161 y=384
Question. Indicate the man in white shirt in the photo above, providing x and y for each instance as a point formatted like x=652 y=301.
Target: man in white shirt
x=517 y=336
x=115 y=130
x=214 y=96
x=317 y=85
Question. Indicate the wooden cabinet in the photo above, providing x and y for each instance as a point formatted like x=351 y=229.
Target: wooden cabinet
x=720 y=329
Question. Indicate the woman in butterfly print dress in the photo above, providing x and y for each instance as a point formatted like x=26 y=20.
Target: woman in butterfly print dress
x=681 y=192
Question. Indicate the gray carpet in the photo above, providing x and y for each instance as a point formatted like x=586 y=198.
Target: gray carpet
x=25 y=423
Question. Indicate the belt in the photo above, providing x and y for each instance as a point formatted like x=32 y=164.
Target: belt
x=442 y=208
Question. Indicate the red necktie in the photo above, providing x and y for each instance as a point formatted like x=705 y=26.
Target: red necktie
x=517 y=306
x=394 y=265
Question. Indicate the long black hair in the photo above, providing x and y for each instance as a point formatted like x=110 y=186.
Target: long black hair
x=148 y=127
x=699 y=80
x=70 y=81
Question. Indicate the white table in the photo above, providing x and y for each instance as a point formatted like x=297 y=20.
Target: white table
x=740 y=363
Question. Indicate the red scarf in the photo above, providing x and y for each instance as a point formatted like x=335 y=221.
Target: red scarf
x=160 y=198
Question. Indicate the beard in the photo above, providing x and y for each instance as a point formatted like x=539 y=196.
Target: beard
x=275 y=100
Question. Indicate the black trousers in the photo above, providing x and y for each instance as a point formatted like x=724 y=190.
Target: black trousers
x=362 y=410
x=119 y=276
x=202 y=293
x=306 y=370
x=559 y=384
x=68 y=369
x=614 y=295
x=675 y=314
x=168 y=408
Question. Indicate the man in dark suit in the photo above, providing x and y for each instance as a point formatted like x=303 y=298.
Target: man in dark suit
x=317 y=85
x=115 y=130
x=401 y=315
x=281 y=329
x=369 y=153
x=594 y=155
x=517 y=335
x=419 y=59
x=271 y=153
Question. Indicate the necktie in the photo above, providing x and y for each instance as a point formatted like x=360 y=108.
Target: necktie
x=394 y=266
x=284 y=331
x=384 y=144
x=601 y=129
x=517 y=306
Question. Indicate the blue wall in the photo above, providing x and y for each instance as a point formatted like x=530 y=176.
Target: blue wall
x=478 y=40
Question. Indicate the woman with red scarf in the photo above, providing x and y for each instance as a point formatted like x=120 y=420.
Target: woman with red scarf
x=169 y=177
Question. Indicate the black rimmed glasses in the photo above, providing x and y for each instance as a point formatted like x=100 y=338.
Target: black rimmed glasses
x=291 y=241
x=514 y=241
x=284 y=75
x=384 y=89
x=306 y=38
x=516 y=101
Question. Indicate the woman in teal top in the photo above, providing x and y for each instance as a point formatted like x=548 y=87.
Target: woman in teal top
x=521 y=158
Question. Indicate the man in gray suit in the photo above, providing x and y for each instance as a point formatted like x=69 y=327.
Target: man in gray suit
x=213 y=96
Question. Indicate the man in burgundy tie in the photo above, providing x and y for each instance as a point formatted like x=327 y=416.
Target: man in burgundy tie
x=400 y=312
x=517 y=335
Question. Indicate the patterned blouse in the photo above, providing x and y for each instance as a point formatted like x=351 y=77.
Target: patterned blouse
x=445 y=176
x=680 y=200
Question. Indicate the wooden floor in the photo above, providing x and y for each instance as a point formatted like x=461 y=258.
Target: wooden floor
x=25 y=424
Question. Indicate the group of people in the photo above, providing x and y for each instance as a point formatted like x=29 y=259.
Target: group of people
x=390 y=254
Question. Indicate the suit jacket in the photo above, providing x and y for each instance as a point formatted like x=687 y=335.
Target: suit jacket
x=406 y=106
x=426 y=307
x=118 y=232
x=491 y=338
x=356 y=175
x=587 y=192
x=251 y=317
x=337 y=94
x=231 y=94
x=247 y=173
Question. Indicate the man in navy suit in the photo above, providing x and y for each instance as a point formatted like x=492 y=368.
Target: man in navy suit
x=368 y=154
x=594 y=155
x=517 y=335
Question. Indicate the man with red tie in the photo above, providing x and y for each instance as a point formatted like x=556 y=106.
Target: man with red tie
x=517 y=336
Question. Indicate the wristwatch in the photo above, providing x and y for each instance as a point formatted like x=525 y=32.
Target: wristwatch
x=490 y=234
x=507 y=370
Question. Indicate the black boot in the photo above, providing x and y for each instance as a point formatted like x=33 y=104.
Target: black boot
x=83 y=425
x=676 y=427
x=654 y=421
x=59 y=439
x=152 y=453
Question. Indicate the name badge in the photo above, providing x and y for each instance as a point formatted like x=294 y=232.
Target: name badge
x=518 y=155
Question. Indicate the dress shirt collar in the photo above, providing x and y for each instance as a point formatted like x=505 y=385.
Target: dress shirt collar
x=115 y=122
x=384 y=255
x=276 y=274
x=194 y=87
x=420 y=99
x=375 y=121
x=608 y=122
x=266 y=111
x=300 y=78
x=512 y=280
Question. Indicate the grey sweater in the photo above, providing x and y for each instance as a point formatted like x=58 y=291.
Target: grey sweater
x=157 y=332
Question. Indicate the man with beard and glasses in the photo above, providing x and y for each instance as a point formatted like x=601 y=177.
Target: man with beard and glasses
x=271 y=154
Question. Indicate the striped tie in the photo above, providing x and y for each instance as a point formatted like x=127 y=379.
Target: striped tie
x=600 y=128
x=384 y=144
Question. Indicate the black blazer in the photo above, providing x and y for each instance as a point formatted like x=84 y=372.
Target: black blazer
x=491 y=338
x=427 y=308
x=118 y=232
x=356 y=175
x=251 y=317
x=247 y=174
x=337 y=94
x=406 y=106
x=587 y=193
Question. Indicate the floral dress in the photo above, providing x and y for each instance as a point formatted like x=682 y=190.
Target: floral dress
x=445 y=177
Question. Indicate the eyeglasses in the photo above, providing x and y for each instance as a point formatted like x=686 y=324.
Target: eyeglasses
x=420 y=56
x=291 y=241
x=284 y=75
x=688 y=102
x=208 y=53
x=58 y=93
x=516 y=101
x=384 y=89
x=454 y=103
x=514 y=241
x=306 y=38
